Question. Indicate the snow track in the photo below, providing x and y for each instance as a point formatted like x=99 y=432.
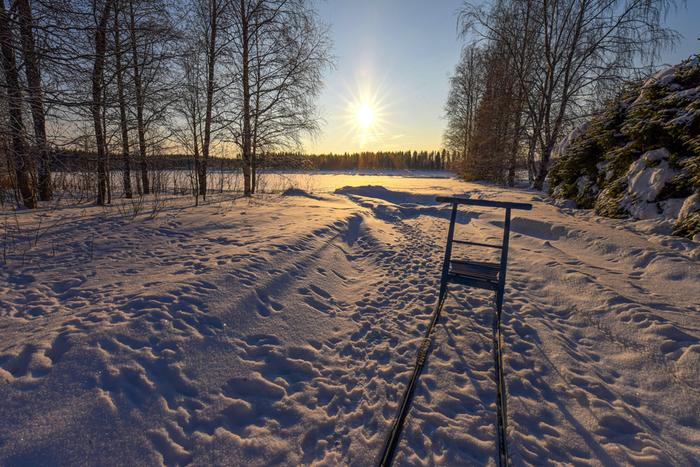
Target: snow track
x=284 y=331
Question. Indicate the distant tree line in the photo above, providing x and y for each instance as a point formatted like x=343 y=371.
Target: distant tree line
x=412 y=160
x=127 y=80
x=86 y=161
x=532 y=69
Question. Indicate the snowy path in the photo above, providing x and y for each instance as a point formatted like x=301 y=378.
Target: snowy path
x=283 y=332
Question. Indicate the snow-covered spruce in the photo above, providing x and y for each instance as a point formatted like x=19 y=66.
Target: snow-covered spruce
x=640 y=157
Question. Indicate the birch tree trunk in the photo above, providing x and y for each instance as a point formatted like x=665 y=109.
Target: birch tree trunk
x=108 y=162
x=245 y=77
x=18 y=149
x=211 y=64
x=36 y=100
x=97 y=100
x=138 y=94
x=256 y=117
x=123 y=123
x=197 y=158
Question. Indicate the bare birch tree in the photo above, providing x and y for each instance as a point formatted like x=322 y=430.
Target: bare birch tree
x=208 y=39
x=189 y=106
x=280 y=52
x=466 y=91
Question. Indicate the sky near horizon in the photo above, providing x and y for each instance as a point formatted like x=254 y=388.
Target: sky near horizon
x=393 y=59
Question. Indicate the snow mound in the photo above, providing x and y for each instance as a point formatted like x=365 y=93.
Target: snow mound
x=538 y=229
x=298 y=192
x=391 y=205
x=395 y=197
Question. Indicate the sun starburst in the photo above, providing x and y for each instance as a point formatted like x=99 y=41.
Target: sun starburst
x=366 y=115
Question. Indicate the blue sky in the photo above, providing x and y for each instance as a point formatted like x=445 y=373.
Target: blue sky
x=395 y=57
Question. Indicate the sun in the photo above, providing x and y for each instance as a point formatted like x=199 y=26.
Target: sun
x=365 y=116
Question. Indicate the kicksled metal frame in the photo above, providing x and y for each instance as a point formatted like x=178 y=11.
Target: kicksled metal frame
x=476 y=274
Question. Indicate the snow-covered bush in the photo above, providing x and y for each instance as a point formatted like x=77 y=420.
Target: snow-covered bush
x=640 y=157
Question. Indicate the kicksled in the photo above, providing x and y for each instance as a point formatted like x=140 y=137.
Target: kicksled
x=474 y=274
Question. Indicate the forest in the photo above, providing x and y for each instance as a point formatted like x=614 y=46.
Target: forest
x=411 y=160
x=129 y=80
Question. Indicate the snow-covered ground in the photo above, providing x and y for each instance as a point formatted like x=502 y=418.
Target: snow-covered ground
x=283 y=330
